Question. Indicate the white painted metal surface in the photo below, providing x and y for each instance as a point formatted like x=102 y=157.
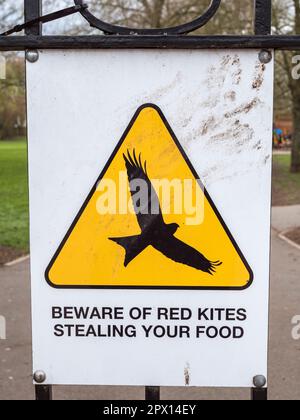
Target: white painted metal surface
x=219 y=104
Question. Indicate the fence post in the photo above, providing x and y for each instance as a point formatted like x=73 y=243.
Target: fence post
x=43 y=393
x=152 y=393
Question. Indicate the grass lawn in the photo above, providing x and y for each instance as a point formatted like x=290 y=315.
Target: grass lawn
x=13 y=195
x=286 y=186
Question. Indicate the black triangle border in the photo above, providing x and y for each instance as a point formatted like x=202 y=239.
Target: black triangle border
x=176 y=141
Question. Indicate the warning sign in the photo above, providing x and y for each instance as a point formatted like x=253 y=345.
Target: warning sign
x=150 y=202
x=149 y=222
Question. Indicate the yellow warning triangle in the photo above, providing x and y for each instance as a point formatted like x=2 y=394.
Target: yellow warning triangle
x=117 y=241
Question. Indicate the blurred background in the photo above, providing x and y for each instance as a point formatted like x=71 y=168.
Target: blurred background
x=234 y=17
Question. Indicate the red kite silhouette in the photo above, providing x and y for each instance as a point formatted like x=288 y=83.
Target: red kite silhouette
x=154 y=231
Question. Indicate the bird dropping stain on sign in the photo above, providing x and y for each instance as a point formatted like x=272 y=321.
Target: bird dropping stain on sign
x=149 y=222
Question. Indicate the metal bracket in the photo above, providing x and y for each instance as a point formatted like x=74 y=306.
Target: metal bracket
x=184 y=29
x=47 y=18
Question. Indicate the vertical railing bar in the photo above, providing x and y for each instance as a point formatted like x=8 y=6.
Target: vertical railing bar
x=43 y=392
x=259 y=394
x=262 y=26
x=152 y=393
x=262 y=17
x=33 y=10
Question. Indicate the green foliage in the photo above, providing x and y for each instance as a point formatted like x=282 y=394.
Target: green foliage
x=13 y=194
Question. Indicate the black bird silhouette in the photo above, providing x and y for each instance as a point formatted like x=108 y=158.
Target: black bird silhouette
x=154 y=231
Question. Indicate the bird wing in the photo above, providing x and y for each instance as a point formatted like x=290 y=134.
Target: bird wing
x=180 y=252
x=146 y=202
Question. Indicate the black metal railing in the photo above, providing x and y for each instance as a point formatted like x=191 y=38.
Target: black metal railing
x=172 y=38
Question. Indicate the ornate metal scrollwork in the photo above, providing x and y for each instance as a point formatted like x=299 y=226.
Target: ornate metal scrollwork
x=175 y=30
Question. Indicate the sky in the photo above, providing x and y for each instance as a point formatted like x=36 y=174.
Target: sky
x=59 y=26
x=49 y=6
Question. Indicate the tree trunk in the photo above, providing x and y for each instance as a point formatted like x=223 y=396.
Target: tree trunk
x=157 y=13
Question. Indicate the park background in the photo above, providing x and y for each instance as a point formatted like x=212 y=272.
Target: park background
x=140 y=13
x=234 y=17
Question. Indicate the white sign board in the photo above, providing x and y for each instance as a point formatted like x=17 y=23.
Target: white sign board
x=150 y=186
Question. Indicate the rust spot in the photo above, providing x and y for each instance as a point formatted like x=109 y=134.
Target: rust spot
x=237 y=136
x=259 y=76
x=237 y=73
x=230 y=95
x=258 y=145
x=236 y=60
x=243 y=109
x=187 y=375
x=207 y=125
x=225 y=60
x=237 y=76
x=229 y=67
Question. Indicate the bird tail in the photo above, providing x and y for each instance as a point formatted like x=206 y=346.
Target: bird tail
x=133 y=246
x=213 y=266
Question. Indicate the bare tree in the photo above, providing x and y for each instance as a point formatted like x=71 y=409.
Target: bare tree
x=286 y=19
x=233 y=17
x=166 y=13
x=10 y=12
x=12 y=88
